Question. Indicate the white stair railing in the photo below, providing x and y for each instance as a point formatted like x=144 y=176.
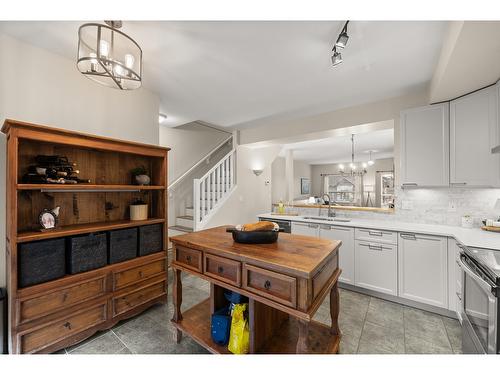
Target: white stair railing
x=211 y=190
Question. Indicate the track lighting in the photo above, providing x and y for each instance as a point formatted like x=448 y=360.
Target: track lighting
x=343 y=37
x=336 y=57
x=340 y=43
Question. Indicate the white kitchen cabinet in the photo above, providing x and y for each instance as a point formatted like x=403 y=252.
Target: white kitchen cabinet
x=346 y=251
x=376 y=266
x=305 y=229
x=473 y=133
x=423 y=268
x=425 y=146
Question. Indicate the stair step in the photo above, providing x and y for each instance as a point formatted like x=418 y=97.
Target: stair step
x=180 y=228
x=184 y=221
x=189 y=211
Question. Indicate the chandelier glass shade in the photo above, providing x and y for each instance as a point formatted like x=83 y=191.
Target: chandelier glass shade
x=109 y=56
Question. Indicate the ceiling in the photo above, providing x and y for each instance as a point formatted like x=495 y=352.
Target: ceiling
x=232 y=74
x=338 y=149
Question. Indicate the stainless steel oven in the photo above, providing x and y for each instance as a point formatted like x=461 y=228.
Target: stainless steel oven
x=479 y=301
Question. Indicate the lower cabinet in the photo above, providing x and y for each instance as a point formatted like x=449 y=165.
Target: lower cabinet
x=423 y=268
x=346 y=251
x=305 y=229
x=376 y=267
x=454 y=278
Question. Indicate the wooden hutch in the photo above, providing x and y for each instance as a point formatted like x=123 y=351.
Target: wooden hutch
x=52 y=315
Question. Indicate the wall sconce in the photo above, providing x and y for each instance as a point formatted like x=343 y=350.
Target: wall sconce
x=257 y=172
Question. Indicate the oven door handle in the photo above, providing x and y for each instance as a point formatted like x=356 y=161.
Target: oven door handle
x=483 y=283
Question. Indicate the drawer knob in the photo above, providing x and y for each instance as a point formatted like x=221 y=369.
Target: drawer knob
x=67 y=325
x=65 y=297
x=141 y=274
x=220 y=269
x=188 y=258
x=267 y=285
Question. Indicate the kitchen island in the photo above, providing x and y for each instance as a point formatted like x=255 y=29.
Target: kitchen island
x=286 y=282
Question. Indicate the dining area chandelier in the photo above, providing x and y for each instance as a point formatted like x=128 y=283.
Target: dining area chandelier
x=109 y=56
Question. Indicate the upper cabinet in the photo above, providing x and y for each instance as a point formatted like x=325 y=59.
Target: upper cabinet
x=473 y=133
x=425 y=146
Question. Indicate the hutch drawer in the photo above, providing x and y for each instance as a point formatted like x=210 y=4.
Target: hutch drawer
x=321 y=277
x=51 y=333
x=136 y=274
x=279 y=287
x=189 y=258
x=41 y=305
x=135 y=298
x=223 y=269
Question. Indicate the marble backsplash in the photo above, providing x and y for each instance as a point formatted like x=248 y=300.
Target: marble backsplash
x=444 y=206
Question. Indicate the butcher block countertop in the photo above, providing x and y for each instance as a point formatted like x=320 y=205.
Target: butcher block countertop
x=293 y=254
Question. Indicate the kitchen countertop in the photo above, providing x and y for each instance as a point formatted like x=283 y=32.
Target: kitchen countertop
x=474 y=237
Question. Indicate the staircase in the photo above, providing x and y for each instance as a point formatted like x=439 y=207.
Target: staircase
x=209 y=193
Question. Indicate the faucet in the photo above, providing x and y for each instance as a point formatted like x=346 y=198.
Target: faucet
x=331 y=212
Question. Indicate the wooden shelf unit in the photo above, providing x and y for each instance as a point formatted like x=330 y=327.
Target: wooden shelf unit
x=46 y=317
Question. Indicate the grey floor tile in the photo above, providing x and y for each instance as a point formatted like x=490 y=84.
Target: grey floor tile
x=148 y=340
x=192 y=296
x=416 y=345
x=426 y=326
x=354 y=305
x=104 y=344
x=91 y=338
x=454 y=331
x=377 y=339
x=125 y=350
x=385 y=313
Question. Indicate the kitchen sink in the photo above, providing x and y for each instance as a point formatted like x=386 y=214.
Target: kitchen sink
x=325 y=218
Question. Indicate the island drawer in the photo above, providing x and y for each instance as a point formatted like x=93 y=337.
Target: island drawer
x=324 y=274
x=45 y=304
x=39 y=338
x=136 y=274
x=223 y=269
x=376 y=235
x=137 y=297
x=273 y=285
x=189 y=258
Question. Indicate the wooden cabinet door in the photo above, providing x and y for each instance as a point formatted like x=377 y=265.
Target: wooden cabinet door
x=425 y=146
x=305 y=229
x=423 y=268
x=376 y=266
x=473 y=133
x=346 y=251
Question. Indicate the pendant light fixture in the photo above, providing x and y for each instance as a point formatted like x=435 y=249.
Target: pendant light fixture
x=370 y=162
x=352 y=165
x=340 y=44
x=109 y=56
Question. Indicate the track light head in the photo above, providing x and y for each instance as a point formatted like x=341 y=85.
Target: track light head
x=336 y=57
x=342 y=40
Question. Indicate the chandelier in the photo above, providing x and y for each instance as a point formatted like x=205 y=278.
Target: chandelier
x=109 y=56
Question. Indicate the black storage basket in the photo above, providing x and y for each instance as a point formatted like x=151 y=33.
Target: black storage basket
x=122 y=245
x=150 y=239
x=41 y=261
x=86 y=253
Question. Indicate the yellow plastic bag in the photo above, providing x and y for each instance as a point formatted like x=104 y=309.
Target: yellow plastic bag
x=239 y=337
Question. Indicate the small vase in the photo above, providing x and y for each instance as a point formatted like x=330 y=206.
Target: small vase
x=142 y=179
x=138 y=212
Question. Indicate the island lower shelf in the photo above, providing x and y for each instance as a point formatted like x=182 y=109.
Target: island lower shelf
x=195 y=323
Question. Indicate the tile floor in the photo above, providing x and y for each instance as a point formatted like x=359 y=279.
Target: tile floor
x=369 y=325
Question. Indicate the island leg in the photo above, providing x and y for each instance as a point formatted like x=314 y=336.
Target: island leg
x=334 y=309
x=303 y=341
x=177 y=300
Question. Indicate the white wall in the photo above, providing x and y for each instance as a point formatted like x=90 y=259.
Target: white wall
x=189 y=143
x=41 y=87
x=300 y=170
x=278 y=180
x=253 y=195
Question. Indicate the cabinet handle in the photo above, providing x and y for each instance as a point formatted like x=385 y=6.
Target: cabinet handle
x=326 y=227
x=372 y=247
x=313 y=225
x=267 y=285
x=409 y=184
x=408 y=236
x=220 y=269
x=375 y=233
x=459 y=296
x=458 y=183
x=188 y=258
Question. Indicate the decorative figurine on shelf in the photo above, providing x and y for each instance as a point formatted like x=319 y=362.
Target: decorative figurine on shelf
x=48 y=218
x=140 y=176
x=138 y=210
